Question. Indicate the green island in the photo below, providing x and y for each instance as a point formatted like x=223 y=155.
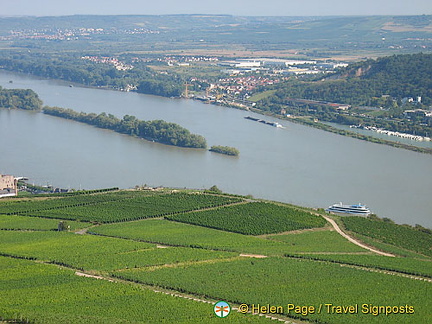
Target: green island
x=155 y=130
x=228 y=150
x=167 y=255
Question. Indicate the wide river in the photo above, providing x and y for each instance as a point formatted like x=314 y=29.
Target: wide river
x=296 y=164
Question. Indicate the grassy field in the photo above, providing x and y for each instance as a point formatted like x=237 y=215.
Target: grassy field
x=308 y=267
x=262 y=95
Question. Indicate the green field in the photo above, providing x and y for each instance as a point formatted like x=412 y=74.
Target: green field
x=262 y=95
x=254 y=218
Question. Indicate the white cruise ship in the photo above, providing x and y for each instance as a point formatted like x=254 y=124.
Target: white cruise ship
x=359 y=209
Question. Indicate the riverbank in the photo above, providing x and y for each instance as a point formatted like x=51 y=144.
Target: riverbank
x=316 y=124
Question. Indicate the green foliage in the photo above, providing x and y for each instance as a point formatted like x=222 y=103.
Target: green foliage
x=275 y=281
x=19 y=98
x=163 y=88
x=156 y=130
x=40 y=293
x=398 y=235
x=253 y=218
x=228 y=150
x=215 y=189
x=140 y=206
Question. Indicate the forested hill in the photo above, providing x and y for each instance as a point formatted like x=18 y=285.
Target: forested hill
x=398 y=76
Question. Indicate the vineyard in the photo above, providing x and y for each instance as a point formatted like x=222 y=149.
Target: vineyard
x=192 y=243
x=179 y=234
x=301 y=282
x=18 y=206
x=40 y=293
x=253 y=218
x=398 y=235
x=317 y=241
x=97 y=253
x=15 y=222
x=403 y=265
x=139 y=206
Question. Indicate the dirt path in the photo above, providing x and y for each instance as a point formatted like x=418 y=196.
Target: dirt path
x=352 y=240
x=281 y=319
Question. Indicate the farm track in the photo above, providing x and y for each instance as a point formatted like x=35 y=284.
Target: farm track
x=352 y=240
x=186 y=263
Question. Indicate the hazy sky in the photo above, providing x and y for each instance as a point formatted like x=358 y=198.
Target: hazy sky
x=233 y=7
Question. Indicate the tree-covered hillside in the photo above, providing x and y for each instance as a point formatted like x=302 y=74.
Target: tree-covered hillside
x=398 y=76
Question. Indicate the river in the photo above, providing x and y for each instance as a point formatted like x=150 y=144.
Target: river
x=295 y=164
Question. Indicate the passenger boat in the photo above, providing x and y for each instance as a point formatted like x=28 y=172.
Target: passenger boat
x=359 y=209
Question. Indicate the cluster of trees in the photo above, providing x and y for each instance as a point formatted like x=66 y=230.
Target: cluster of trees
x=228 y=150
x=156 y=130
x=20 y=98
x=165 y=88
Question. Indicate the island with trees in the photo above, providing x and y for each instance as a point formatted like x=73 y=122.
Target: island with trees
x=155 y=130
x=228 y=150
x=19 y=98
